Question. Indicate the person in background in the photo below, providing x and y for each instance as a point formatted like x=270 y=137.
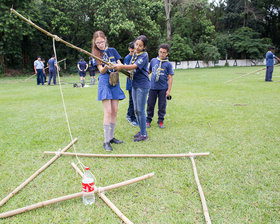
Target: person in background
x=52 y=69
x=107 y=93
x=140 y=83
x=130 y=111
x=161 y=83
x=44 y=72
x=91 y=68
x=269 y=64
x=82 y=67
x=39 y=70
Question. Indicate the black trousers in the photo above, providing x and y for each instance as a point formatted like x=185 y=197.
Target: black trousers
x=153 y=95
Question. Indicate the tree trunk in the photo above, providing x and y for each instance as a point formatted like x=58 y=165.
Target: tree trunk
x=168 y=7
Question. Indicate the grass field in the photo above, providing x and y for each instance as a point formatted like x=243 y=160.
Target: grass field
x=240 y=178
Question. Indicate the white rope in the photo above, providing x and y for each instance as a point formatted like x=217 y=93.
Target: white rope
x=65 y=111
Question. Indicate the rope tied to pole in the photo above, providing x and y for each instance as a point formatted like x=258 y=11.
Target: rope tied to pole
x=57 y=38
x=58 y=153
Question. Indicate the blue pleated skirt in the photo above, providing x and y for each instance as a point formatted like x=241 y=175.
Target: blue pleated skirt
x=108 y=92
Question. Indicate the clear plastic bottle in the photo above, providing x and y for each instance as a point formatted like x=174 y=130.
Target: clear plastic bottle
x=88 y=187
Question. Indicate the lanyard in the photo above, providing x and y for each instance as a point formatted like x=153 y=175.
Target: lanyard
x=133 y=60
x=159 y=67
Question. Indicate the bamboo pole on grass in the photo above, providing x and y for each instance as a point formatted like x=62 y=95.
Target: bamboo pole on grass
x=132 y=155
x=36 y=173
x=71 y=196
x=114 y=208
x=203 y=201
x=39 y=205
x=106 y=200
x=247 y=74
x=63 y=41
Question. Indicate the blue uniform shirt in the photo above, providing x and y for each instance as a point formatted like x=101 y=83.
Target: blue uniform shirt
x=141 y=74
x=38 y=64
x=166 y=69
x=127 y=61
x=92 y=63
x=105 y=90
x=82 y=65
x=269 y=58
x=51 y=63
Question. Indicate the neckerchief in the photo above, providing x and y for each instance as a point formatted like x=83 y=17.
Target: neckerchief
x=159 y=67
x=133 y=60
x=106 y=57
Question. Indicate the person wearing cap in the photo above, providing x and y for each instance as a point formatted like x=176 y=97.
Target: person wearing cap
x=82 y=67
x=39 y=70
x=269 y=64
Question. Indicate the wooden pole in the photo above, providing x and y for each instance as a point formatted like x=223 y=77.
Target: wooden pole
x=40 y=204
x=131 y=155
x=124 y=183
x=36 y=173
x=114 y=208
x=247 y=74
x=63 y=41
x=71 y=196
x=204 y=205
x=106 y=200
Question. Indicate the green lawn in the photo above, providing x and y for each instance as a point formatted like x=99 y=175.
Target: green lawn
x=240 y=178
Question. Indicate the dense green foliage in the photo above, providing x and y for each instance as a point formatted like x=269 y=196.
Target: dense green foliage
x=240 y=177
x=199 y=29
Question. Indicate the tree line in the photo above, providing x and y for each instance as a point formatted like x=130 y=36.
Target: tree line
x=195 y=29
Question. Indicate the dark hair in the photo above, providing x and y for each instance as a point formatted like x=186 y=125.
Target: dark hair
x=39 y=57
x=53 y=56
x=143 y=38
x=131 y=45
x=164 y=46
x=271 y=48
x=95 y=49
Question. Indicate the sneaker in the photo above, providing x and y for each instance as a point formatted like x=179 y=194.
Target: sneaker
x=134 y=123
x=128 y=118
x=148 y=125
x=137 y=135
x=141 y=138
x=116 y=141
x=160 y=124
x=107 y=146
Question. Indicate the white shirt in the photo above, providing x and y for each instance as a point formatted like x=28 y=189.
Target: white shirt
x=38 y=64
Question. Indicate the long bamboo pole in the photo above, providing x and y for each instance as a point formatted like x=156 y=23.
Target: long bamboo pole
x=63 y=41
x=247 y=74
x=131 y=155
x=45 y=68
x=106 y=200
x=114 y=208
x=36 y=173
x=203 y=201
x=71 y=196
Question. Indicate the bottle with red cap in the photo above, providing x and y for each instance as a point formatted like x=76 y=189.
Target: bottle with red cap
x=88 y=187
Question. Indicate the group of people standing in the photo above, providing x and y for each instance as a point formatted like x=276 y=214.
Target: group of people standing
x=40 y=70
x=139 y=85
x=82 y=68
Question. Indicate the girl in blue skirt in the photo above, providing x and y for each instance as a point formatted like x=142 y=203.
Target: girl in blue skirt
x=108 y=94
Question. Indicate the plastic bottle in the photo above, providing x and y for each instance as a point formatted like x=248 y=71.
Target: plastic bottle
x=88 y=187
